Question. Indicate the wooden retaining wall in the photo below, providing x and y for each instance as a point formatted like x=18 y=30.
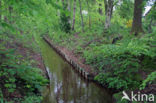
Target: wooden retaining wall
x=76 y=66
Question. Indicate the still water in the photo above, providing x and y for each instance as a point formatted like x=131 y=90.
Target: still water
x=66 y=86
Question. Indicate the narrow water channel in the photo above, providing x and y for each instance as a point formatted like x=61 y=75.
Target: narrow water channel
x=66 y=86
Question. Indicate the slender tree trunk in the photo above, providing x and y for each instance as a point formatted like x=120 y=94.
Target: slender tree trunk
x=89 y=14
x=74 y=9
x=82 y=24
x=137 y=17
x=69 y=10
x=108 y=12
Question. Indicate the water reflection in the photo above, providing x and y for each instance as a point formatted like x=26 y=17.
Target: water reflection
x=65 y=85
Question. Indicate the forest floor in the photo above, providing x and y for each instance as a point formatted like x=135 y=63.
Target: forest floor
x=28 y=53
x=25 y=52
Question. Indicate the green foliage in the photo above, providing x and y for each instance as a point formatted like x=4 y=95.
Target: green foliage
x=149 y=80
x=64 y=19
x=125 y=58
x=117 y=65
x=27 y=99
x=32 y=99
x=64 y=23
x=15 y=74
x=127 y=5
x=20 y=21
x=32 y=77
x=7 y=73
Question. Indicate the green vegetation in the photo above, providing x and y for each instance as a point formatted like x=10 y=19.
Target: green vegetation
x=119 y=43
x=120 y=55
x=19 y=76
x=21 y=80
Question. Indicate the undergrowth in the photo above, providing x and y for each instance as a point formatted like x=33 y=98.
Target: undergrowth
x=21 y=80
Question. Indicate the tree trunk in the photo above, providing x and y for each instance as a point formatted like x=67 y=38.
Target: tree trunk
x=137 y=17
x=69 y=10
x=108 y=12
x=74 y=9
x=82 y=24
x=89 y=14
